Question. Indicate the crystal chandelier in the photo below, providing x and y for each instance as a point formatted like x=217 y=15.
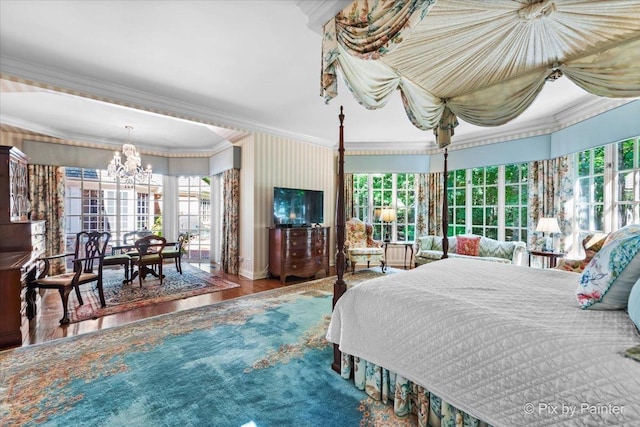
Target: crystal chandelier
x=130 y=172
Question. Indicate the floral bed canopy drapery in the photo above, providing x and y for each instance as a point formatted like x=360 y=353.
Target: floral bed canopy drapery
x=482 y=62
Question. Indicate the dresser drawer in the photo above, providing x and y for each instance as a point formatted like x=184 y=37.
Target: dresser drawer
x=296 y=253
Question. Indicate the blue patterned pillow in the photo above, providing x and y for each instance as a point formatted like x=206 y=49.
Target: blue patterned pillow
x=607 y=280
x=634 y=304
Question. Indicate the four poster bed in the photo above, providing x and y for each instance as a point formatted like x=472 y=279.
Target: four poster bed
x=466 y=342
x=469 y=342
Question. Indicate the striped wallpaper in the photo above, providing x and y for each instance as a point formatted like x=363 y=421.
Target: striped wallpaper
x=270 y=161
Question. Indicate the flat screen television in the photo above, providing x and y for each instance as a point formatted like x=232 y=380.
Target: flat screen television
x=295 y=207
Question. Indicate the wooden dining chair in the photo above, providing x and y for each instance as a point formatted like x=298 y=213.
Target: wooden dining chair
x=176 y=250
x=149 y=254
x=87 y=260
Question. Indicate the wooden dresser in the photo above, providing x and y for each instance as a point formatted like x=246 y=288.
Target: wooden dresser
x=21 y=243
x=300 y=251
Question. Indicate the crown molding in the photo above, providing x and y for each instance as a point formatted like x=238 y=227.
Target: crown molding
x=320 y=12
x=31 y=127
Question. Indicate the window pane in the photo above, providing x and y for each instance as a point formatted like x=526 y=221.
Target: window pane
x=511 y=195
x=491 y=175
x=477 y=195
x=477 y=215
x=583 y=190
x=584 y=163
x=477 y=176
x=626 y=191
x=598 y=219
x=598 y=160
x=624 y=215
x=492 y=233
x=491 y=216
x=492 y=196
x=511 y=216
x=461 y=178
x=598 y=189
x=511 y=174
x=625 y=154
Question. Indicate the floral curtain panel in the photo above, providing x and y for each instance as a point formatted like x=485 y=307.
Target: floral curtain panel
x=429 y=197
x=230 y=219
x=550 y=193
x=348 y=196
x=486 y=62
x=46 y=194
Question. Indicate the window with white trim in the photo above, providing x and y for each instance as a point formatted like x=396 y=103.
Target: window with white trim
x=374 y=192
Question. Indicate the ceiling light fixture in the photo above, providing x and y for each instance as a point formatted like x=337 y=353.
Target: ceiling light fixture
x=130 y=172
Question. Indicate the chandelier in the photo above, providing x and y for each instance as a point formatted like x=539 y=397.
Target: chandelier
x=130 y=172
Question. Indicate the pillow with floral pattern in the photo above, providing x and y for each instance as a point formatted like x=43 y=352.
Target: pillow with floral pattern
x=626 y=231
x=605 y=284
x=468 y=245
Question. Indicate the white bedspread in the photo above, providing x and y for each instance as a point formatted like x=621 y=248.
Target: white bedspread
x=506 y=344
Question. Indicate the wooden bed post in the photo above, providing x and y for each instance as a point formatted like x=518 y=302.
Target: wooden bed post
x=445 y=209
x=339 y=287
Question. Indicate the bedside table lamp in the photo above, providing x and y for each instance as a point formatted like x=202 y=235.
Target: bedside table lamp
x=550 y=226
x=387 y=215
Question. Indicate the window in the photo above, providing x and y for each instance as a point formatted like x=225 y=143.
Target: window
x=374 y=192
x=516 y=201
x=194 y=215
x=589 y=189
x=361 y=197
x=96 y=202
x=626 y=205
x=489 y=201
x=484 y=201
x=608 y=176
x=457 y=200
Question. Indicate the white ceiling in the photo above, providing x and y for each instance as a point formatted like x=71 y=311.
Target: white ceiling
x=216 y=70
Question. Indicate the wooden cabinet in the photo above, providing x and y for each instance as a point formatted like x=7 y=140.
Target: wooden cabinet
x=300 y=251
x=14 y=188
x=21 y=242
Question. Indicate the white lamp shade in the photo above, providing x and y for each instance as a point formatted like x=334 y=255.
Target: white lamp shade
x=548 y=225
x=388 y=215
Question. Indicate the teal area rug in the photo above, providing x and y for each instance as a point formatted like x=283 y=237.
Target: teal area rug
x=260 y=360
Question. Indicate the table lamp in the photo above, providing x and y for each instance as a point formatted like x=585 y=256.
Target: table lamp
x=387 y=215
x=548 y=225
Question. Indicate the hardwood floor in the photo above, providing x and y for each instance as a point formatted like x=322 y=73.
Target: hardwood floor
x=46 y=327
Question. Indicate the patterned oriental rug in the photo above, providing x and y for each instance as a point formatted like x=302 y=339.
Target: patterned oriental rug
x=123 y=297
x=259 y=360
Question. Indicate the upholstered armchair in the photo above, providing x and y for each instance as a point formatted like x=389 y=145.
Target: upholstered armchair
x=360 y=246
x=591 y=245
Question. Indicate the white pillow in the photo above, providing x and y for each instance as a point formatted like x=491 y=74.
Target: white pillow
x=634 y=304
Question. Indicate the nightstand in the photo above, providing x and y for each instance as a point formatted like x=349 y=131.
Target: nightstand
x=408 y=246
x=551 y=258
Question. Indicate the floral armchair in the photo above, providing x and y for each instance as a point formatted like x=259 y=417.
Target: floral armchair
x=591 y=244
x=360 y=246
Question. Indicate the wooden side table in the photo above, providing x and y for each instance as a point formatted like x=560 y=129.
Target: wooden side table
x=550 y=257
x=407 y=246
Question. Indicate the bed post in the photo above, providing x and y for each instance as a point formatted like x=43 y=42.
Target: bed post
x=445 y=209
x=339 y=287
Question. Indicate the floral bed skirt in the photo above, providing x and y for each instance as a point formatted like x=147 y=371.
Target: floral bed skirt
x=385 y=386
